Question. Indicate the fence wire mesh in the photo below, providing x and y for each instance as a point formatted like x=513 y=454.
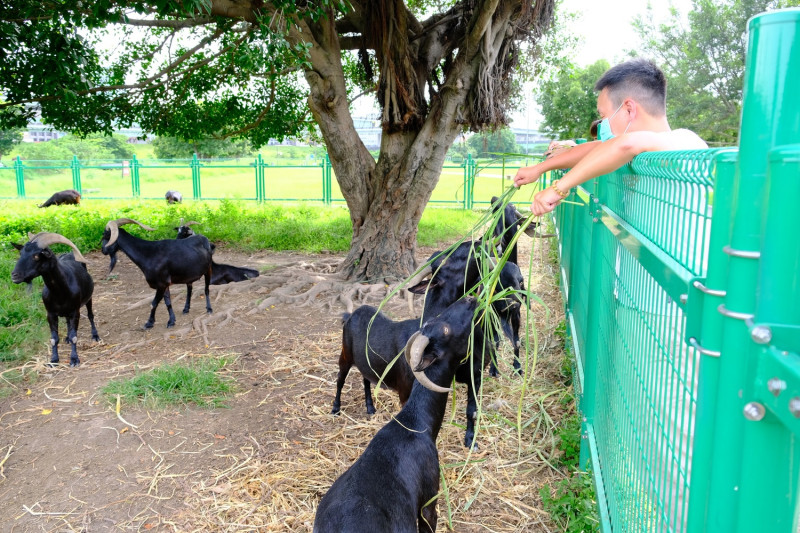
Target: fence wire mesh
x=627 y=255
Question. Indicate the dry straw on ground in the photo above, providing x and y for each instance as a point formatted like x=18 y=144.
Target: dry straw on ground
x=495 y=488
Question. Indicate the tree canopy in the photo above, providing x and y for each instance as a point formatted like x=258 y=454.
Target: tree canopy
x=256 y=69
x=493 y=142
x=704 y=61
x=568 y=100
x=8 y=139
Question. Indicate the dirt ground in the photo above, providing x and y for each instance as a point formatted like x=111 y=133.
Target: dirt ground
x=69 y=462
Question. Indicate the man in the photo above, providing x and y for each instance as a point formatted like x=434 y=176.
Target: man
x=632 y=104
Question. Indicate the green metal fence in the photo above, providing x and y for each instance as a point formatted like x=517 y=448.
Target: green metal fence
x=460 y=185
x=681 y=282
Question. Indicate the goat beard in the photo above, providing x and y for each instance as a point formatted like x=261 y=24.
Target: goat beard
x=112 y=263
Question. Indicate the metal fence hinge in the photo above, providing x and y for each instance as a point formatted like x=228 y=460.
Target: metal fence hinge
x=745 y=254
x=712 y=292
x=734 y=314
x=696 y=345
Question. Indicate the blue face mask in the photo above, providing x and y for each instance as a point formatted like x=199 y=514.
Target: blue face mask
x=604 y=128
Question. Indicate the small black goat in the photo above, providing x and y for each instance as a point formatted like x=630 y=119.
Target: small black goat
x=393 y=486
x=163 y=263
x=67 y=197
x=221 y=273
x=67 y=286
x=387 y=339
x=173 y=197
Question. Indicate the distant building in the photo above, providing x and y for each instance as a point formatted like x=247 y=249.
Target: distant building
x=38 y=132
x=529 y=138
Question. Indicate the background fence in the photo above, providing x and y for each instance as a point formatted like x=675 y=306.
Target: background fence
x=681 y=277
x=462 y=185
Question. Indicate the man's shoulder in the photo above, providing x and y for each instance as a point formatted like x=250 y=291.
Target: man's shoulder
x=683 y=139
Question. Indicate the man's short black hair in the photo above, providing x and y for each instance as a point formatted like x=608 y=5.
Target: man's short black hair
x=639 y=79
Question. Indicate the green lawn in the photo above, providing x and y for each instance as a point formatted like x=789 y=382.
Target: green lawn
x=295 y=178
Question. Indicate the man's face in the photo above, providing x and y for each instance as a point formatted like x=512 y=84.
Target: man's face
x=618 y=116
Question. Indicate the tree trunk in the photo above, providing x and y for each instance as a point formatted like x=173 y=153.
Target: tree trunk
x=386 y=198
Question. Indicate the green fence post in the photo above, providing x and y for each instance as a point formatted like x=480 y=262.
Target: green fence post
x=327 y=180
x=769 y=111
x=20 y=175
x=76 y=174
x=769 y=477
x=195 y=164
x=135 y=190
x=465 y=164
x=704 y=332
x=592 y=345
x=257 y=169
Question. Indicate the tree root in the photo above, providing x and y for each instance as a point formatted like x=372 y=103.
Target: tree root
x=301 y=284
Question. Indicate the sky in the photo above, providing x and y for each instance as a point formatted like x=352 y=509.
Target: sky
x=606 y=32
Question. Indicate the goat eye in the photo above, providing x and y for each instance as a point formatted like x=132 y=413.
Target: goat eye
x=446 y=330
x=36 y=257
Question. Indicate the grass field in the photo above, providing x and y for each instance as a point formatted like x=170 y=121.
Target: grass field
x=286 y=178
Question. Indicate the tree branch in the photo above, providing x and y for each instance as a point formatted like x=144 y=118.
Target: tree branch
x=189 y=23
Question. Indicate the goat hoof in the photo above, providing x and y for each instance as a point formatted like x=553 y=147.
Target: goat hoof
x=185 y=311
x=74 y=364
x=335 y=410
x=148 y=325
x=370 y=410
x=96 y=338
x=493 y=372
x=170 y=324
x=53 y=364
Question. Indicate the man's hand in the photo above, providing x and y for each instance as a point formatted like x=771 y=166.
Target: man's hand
x=526 y=175
x=545 y=201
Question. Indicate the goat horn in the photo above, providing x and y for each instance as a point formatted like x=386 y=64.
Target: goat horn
x=419 y=276
x=414 y=349
x=46 y=239
x=113 y=226
x=191 y=223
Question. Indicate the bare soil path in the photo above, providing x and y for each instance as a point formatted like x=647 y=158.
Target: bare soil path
x=68 y=462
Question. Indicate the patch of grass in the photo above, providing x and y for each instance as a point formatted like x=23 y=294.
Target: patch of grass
x=571 y=503
x=175 y=384
x=239 y=225
x=22 y=318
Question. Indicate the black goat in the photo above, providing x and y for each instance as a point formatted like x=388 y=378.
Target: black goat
x=163 y=263
x=67 y=197
x=394 y=485
x=221 y=273
x=173 y=197
x=454 y=274
x=386 y=340
x=67 y=286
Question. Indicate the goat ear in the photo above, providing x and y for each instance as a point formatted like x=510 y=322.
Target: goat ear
x=422 y=286
x=19 y=247
x=427 y=360
x=530 y=231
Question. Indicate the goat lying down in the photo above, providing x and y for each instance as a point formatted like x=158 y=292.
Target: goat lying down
x=163 y=263
x=221 y=273
x=67 y=286
x=393 y=486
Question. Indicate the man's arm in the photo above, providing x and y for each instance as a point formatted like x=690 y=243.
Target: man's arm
x=607 y=158
x=566 y=159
